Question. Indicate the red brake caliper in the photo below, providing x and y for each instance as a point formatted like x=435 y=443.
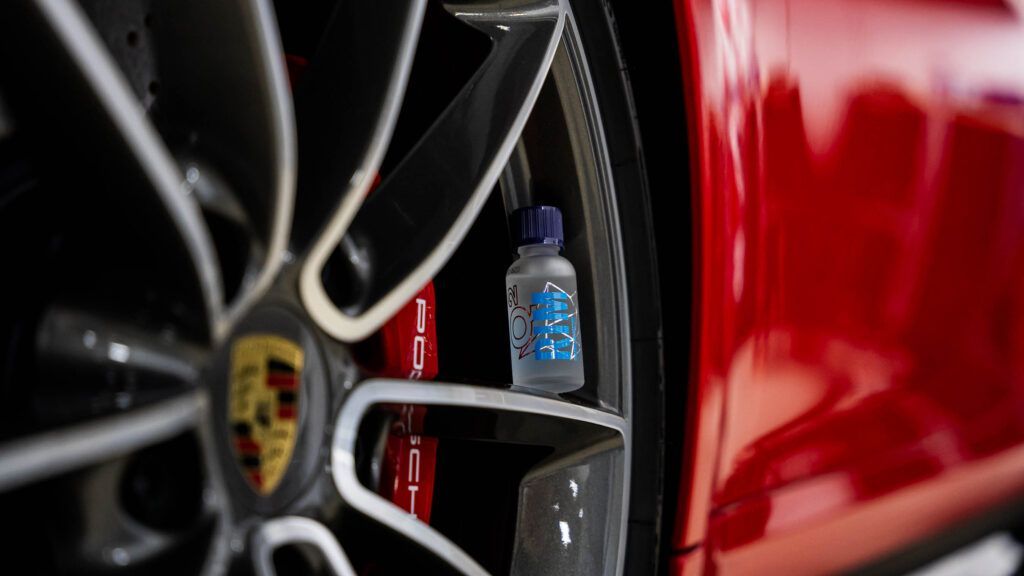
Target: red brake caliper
x=407 y=477
x=408 y=350
x=409 y=346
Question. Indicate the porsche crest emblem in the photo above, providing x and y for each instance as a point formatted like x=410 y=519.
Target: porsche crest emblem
x=263 y=406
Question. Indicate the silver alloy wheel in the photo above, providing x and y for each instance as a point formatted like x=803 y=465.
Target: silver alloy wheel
x=399 y=244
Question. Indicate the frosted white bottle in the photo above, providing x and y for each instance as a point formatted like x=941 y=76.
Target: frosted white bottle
x=542 y=302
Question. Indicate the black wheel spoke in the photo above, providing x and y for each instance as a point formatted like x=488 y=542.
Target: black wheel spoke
x=347 y=104
x=48 y=454
x=141 y=510
x=225 y=107
x=414 y=222
x=211 y=77
x=348 y=108
x=76 y=342
x=588 y=450
x=300 y=532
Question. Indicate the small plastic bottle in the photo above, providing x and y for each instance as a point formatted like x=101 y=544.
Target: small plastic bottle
x=543 y=305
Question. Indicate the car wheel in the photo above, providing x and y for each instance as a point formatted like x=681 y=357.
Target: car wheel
x=211 y=212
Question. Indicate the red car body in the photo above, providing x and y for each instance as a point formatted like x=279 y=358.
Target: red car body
x=858 y=367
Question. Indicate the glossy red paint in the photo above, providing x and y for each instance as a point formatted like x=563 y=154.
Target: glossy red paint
x=859 y=202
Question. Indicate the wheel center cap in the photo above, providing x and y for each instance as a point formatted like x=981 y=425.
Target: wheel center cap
x=264 y=401
x=271 y=408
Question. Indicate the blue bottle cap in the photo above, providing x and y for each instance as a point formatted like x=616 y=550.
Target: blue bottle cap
x=538 y=225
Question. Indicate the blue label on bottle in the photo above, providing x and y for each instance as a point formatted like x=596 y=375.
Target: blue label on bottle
x=551 y=326
x=547 y=327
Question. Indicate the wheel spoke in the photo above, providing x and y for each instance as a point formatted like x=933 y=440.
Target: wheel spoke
x=55 y=452
x=591 y=450
x=222 y=80
x=348 y=111
x=413 y=223
x=297 y=530
x=568 y=510
x=347 y=105
x=74 y=341
x=138 y=510
x=87 y=74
